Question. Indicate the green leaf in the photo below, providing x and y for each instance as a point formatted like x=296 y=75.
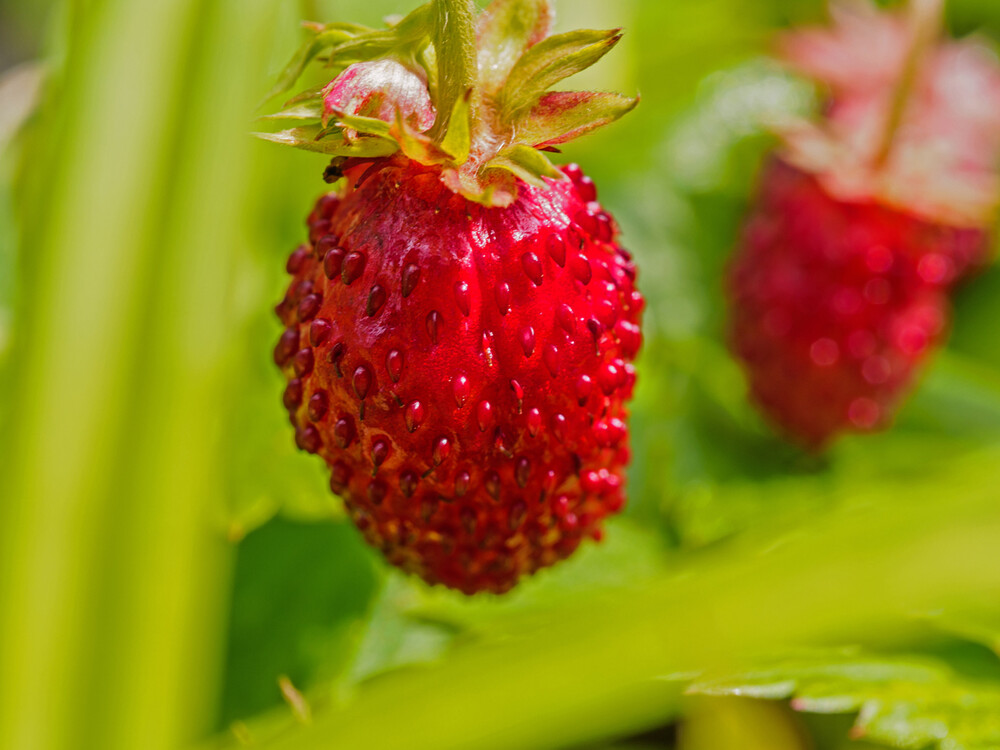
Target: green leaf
x=901 y=702
x=524 y=162
x=549 y=62
x=304 y=589
x=561 y=116
x=977 y=627
x=394 y=638
x=507 y=28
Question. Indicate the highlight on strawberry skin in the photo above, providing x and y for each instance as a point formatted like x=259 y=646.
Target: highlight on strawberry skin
x=866 y=218
x=461 y=321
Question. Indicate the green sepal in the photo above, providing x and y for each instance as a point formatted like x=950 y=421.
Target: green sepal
x=493 y=188
x=457 y=142
x=308 y=110
x=321 y=39
x=487 y=83
x=366 y=125
x=562 y=116
x=549 y=62
x=426 y=58
x=310 y=94
x=507 y=29
x=525 y=163
x=354 y=29
x=416 y=145
x=402 y=40
x=309 y=138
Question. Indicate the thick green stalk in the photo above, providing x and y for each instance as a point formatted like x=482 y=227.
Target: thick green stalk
x=455 y=46
x=112 y=584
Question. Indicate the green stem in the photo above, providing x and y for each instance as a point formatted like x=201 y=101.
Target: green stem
x=926 y=20
x=455 y=45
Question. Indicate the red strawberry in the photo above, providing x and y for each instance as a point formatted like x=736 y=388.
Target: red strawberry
x=840 y=289
x=459 y=341
x=837 y=303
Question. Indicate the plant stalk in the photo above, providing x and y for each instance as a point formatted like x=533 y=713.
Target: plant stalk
x=926 y=19
x=455 y=45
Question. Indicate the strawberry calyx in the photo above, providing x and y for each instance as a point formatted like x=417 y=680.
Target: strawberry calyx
x=445 y=88
x=912 y=118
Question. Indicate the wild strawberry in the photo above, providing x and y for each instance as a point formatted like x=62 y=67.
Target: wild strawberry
x=865 y=222
x=461 y=324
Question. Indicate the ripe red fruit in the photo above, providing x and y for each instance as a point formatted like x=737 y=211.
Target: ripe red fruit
x=459 y=350
x=840 y=289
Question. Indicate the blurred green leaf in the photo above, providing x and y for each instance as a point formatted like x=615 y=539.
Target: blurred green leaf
x=395 y=637
x=897 y=551
x=905 y=703
x=300 y=595
x=982 y=627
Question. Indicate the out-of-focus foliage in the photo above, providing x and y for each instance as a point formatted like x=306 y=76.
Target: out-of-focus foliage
x=752 y=725
x=310 y=627
x=899 y=702
x=629 y=646
x=179 y=536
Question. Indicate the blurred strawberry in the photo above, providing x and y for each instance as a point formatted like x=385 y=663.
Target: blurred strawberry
x=866 y=220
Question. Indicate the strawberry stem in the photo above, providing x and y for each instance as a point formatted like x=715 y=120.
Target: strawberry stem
x=926 y=18
x=455 y=46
